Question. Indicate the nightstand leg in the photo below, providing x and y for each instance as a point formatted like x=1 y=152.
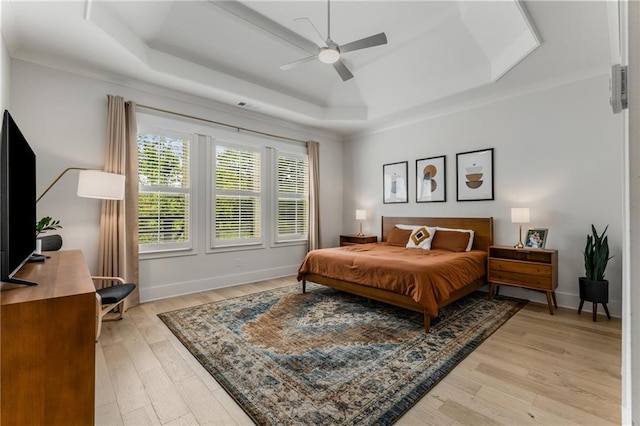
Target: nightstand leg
x=492 y=287
x=549 y=302
x=555 y=302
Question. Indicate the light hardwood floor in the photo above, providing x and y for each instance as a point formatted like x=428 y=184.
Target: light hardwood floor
x=536 y=369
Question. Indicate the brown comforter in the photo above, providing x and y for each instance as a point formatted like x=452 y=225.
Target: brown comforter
x=427 y=276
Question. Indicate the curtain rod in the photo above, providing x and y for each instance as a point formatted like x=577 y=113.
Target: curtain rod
x=218 y=123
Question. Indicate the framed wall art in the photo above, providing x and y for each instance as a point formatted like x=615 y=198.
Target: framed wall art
x=536 y=238
x=395 y=182
x=474 y=175
x=431 y=179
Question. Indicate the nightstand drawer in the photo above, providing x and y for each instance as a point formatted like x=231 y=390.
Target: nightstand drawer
x=531 y=269
x=524 y=280
x=347 y=240
x=520 y=267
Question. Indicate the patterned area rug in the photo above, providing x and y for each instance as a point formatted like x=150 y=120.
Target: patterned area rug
x=327 y=357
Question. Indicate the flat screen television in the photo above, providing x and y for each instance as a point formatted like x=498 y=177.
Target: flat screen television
x=17 y=201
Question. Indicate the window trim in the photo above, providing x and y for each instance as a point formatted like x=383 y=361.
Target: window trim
x=150 y=251
x=213 y=244
x=275 y=239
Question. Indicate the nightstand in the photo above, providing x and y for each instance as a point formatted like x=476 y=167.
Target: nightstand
x=347 y=240
x=533 y=269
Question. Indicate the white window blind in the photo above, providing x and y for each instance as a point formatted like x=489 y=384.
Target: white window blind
x=238 y=195
x=292 y=216
x=164 y=200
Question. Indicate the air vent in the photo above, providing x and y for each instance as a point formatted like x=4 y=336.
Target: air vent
x=243 y=104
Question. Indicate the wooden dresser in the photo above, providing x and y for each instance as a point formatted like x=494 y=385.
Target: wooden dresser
x=48 y=333
x=533 y=269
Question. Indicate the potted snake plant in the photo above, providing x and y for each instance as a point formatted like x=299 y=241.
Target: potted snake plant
x=593 y=287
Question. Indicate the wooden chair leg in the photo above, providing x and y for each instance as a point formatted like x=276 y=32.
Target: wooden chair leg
x=304 y=286
x=98 y=317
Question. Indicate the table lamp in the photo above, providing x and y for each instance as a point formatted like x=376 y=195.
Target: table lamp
x=360 y=216
x=520 y=215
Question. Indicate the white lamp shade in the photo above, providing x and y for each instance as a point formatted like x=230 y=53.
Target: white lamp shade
x=98 y=184
x=520 y=215
x=361 y=215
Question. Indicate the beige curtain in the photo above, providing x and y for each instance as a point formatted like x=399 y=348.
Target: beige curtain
x=313 y=150
x=118 y=250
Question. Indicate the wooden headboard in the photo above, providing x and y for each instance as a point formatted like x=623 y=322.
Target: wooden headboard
x=483 y=226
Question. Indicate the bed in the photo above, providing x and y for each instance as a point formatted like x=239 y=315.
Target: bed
x=424 y=292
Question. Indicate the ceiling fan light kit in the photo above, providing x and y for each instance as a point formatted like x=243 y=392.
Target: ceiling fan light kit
x=328 y=56
x=330 y=52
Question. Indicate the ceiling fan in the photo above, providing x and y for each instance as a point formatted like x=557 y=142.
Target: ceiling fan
x=329 y=52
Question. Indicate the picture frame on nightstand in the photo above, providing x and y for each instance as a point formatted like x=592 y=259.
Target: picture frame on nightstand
x=536 y=238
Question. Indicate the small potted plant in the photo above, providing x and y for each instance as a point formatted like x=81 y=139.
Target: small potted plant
x=43 y=225
x=47 y=224
x=593 y=287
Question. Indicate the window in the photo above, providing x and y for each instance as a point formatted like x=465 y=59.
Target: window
x=238 y=195
x=164 y=200
x=292 y=215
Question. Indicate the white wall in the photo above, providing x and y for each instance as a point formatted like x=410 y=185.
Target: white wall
x=557 y=151
x=63 y=116
x=5 y=75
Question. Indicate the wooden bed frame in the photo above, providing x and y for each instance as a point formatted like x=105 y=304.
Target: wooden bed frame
x=483 y=238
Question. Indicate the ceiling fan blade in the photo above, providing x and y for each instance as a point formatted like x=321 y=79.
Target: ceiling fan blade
x=311 y=31
x=363 y=43
x=342 y=69
x=298 y=62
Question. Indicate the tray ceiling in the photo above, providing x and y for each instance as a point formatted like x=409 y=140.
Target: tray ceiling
x=230 y=52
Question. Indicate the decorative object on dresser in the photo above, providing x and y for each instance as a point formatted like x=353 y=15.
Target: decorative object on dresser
x=536 y=238
x=360 y=216
x=593 y=287
x=328 y=357
x=347 y=240
x=431 y=180
x=520 y=215
x=531 y=269
x=474 y=175
x=395 y=182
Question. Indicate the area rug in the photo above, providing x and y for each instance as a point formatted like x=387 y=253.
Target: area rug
x=327 y=357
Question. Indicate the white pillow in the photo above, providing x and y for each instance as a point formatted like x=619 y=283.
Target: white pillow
x=418 y=238
x=470 y=231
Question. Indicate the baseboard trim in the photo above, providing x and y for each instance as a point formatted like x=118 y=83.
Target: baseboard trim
x=212 y=283
x=565 y=300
